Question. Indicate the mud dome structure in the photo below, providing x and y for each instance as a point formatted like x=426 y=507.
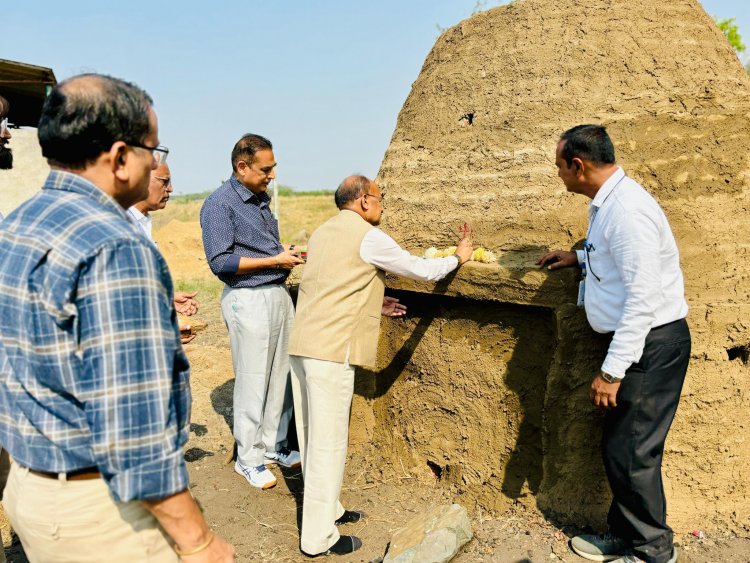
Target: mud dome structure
x=484 y=387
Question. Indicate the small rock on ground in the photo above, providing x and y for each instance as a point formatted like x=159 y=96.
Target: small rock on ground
x=432 y=537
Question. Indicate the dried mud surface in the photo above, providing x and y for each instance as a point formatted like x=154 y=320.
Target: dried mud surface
x=264 y=525
x=475 y=142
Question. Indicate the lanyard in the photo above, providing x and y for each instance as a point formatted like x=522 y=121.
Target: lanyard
x=597 y=209
x=587 y=248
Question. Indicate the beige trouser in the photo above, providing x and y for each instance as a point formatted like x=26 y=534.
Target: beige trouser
x=78 y=522
x=259 y=320
x=322 y=400
x=4 y=469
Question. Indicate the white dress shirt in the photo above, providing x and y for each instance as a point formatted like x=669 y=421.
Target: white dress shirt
x=143 y=221
x=633 y=276
x=383 y=252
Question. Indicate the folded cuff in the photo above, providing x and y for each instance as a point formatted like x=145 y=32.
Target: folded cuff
x=154 y=480
x=615 y=367
x=231 y=265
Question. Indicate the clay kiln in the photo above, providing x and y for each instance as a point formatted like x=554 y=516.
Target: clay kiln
x=485 y=386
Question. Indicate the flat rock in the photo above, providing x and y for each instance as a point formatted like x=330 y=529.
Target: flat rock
x=432 y=537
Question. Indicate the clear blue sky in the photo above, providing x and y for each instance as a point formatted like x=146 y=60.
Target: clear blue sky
x=324 y=80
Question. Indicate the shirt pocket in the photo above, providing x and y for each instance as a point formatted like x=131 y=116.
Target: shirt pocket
x=598 y=260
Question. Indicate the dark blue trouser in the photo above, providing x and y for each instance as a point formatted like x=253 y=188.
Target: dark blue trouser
x=633 y=441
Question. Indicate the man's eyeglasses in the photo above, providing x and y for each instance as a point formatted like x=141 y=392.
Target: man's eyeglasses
x=4 y=126
x=160 y=153
x=265 y=171
x=380 y=198
x=166 y=181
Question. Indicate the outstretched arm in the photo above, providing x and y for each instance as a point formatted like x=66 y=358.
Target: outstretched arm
x=383 y=252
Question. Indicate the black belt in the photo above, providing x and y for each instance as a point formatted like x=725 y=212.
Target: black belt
x=665 y=325
x=77 y=475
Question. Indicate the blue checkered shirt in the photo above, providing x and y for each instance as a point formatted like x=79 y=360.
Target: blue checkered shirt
x=92 y=373
x=238 y=223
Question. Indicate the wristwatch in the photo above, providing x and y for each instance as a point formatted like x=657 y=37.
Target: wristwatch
x=459 y=260
x=609 y=378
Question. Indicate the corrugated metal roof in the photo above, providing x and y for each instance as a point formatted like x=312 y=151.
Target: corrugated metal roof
x=25 y=86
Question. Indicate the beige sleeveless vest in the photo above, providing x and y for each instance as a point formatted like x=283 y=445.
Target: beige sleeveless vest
x=340 y=296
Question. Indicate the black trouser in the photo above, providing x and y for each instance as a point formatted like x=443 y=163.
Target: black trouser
x=633 y=441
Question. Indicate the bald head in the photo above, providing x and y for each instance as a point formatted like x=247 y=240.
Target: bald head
x=159 y=188
x=85 y=115
x=360 y=194
x=351 y=189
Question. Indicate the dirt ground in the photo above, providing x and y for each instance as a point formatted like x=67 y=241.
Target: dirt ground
x=264 y=525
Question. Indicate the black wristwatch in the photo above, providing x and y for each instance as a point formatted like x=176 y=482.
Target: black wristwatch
x=609 y=378
x=459 y=260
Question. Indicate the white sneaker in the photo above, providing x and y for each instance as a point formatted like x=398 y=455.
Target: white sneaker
x=284 y=457
x=259 y=477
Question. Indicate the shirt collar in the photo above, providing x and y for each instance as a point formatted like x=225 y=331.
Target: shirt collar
x=138 y=216
x=247 y=195
x=70 y=182
x=607 y=187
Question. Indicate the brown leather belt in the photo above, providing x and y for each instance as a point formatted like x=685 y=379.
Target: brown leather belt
x=78 y=475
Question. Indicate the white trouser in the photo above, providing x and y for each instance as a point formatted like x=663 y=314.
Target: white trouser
x=259 y=320
x=322 y=400
x=62 y=521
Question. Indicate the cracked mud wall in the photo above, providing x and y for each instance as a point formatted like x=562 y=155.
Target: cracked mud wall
x=475 y=142
x=465 y=366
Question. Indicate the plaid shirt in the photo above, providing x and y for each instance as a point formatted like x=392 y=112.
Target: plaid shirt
x=238 y=223
x=92 y=372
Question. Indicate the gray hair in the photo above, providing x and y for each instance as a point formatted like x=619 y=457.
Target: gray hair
x=86 y=114
x=352 y=188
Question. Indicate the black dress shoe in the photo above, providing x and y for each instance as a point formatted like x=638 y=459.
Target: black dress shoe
x=350 y=517
x=344 y=546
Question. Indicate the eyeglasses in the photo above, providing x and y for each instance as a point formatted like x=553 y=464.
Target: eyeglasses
x=166 y=181
x=265 y=171
x=4 y=126
x=160 y=152
x=380 y=198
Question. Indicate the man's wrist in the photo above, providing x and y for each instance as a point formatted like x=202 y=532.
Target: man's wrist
x=458 y=259
x=195 y=549
x=609 y=378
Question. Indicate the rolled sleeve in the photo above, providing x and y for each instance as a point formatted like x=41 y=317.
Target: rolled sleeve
x=231 y=265
x=134 y=388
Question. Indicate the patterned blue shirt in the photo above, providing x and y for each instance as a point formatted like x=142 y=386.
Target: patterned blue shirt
x=92 y=372
x=238 y=223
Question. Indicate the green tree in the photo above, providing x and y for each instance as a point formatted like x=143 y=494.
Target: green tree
x=731 y=31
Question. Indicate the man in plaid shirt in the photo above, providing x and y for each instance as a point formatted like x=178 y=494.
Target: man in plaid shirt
x=94 y=389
